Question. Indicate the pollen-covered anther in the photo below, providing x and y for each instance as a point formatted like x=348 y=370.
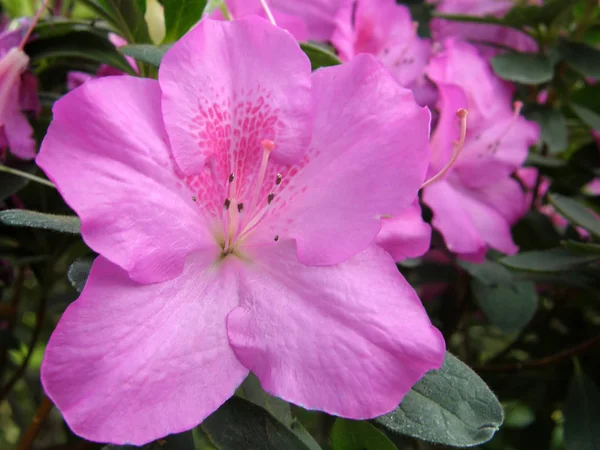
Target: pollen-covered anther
x=276 y=238
x=278 y=179
x=240 y=207
x=194 y=198
x=270 y=198
x=227 y=203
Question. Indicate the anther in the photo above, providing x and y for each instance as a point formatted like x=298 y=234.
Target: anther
x=240 y=207
x=194 y=198
x=276 y=238
x=270 y=198
x=278 y=179
x=231 y=177
x=227 y=203
x=267 y=145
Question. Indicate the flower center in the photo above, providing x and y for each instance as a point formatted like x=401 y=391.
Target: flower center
x=240 y=219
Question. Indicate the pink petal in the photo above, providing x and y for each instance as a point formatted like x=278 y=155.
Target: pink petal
x=349 y=339
x=130 y=363
x=505 y=196
x=367 y=159
x=28 y=95
x=318 y=15
x=451 y=219
x=19 y=135
x=76 y=78
x=406 y=235
x=135 y=210
x=229 y=85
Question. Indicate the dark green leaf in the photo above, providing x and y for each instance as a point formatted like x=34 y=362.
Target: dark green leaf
x=319 y=56
x=576 y=213
x=525 y=68
x=182 y=441
x=34 y=219
x=581 y=57
x=240 y=424
x=587 y=115
x=81 y=44
x=584 y=248
x=78 y=272
x=554 y=260
x=586 y=104
x=126 y=16
x=9 y=184
x=554 y=128
x=180 y=16
x=582 y=414
x=451 y=406
x=507 y=303
x=354 y=435
x=148 y=53
x=537 y=160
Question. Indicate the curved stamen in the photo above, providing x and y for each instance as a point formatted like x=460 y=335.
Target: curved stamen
x=456 y=150
x=33 y=24
x=267 y=146
x=268 y=11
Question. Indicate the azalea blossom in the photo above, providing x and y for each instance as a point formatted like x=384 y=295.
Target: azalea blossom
x=384 y=29
x=307 y=20
x=235 y=204
x=488 y=38
x=475 y=205
x=18 y=94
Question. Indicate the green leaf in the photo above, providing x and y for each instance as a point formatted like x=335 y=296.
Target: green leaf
x=525 y=68
x=507 y=303
x=79 y=44
x=10 y=184
x=554 y=260
x=581 y=57
x=587 y=115
x=582 y=414
x=585 y=103
x=450 y=406
x=180 y=16
x=319 y=56
x=148 y=53
x=182 y=441
x=554 y=128
x=34 y=219
x=79 y=271
x=354 y=435
x=537 y=160
x=126 y=16
x=240 y=424
x=584 y=248
x=576 y=213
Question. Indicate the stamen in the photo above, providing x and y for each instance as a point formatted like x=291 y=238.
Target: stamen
x=267 y=146
x=34 y=22
x=278 y=179
x=194 y=198
x=270 y=197
x=231 y=177
x=240 y=207
x=268 y=11
x=457 y=148
x=276 y=238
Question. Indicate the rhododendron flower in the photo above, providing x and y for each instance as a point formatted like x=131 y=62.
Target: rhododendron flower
x=406 y=235
x=76 y=78
x=18 y=94
x=478 y=201
x=488 y=38
x=305 y=20
x=234 y=204
x=384 y=29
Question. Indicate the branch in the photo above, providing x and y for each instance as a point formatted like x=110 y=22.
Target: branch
x=36 y=424
x=540 y=363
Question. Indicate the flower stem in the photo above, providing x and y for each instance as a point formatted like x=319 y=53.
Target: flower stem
x=29 y=176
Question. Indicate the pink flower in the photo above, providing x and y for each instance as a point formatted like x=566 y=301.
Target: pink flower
x=305 y=20
x=235 y=207
x=488 y=38
x=406 y=235
x=18 y=94
x=476 y=204
x=386 y=30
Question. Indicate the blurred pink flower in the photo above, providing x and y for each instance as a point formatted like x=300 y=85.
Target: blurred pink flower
x=478 y=201
x=488 y=38
x=18 y=95
x=235 y=209
x=306 y=20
